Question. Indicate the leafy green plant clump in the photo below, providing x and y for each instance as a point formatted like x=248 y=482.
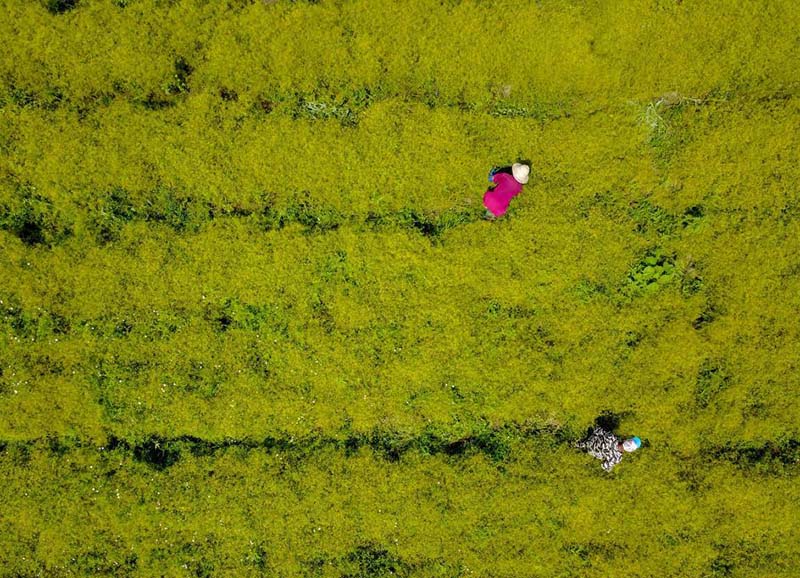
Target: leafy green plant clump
x=655 y=271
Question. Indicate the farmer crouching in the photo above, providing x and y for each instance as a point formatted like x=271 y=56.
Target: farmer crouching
x=507 y=183
x=605 y=446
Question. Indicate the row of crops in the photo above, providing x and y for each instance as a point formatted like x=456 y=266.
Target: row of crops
x=252 y=321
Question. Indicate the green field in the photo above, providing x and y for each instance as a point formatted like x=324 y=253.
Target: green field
x=253 y=322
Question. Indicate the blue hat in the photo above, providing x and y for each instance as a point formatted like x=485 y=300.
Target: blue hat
x=635 y=441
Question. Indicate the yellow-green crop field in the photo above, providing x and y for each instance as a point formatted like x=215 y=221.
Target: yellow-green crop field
x=254 y=323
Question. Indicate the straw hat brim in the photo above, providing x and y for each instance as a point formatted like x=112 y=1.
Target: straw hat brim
x=521 y=172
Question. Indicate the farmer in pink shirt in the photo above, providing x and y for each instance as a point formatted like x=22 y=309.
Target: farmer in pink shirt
x=508 y=183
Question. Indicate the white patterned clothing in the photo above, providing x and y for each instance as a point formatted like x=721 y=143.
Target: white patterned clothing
x=604 y=446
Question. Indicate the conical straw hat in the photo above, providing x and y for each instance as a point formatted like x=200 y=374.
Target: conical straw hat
x=521 y=172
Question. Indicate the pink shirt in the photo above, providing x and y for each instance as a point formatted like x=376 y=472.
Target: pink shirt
x=497 y=200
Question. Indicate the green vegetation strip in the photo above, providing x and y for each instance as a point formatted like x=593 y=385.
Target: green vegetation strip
x=33 y=220
x=497 y=444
